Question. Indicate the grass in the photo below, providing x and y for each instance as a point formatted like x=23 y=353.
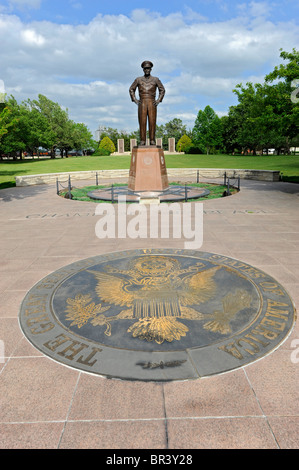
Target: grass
x=80 y=194
x=287 y=164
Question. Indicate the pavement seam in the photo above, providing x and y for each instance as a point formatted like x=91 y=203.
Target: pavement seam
x=69 y=410
x=165 y=418
x=179 y=418
x=261 y=408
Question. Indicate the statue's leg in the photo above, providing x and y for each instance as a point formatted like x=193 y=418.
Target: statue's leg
x=142 y=116
x=152 y=119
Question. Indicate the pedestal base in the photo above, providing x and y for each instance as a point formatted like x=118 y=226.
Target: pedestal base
x=148 y=170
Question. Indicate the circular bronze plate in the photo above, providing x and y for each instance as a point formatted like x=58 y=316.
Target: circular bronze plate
x=157 y=314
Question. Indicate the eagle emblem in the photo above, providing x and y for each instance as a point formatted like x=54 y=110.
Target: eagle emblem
x=155 y=292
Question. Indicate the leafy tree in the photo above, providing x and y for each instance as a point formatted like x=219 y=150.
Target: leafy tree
x=175 y=128
x=82 y=137
x=39 y=133
x=172 y=129
x=107 y=144
x=183 y=144
x=286 y=107
x=14 y=142
x=266 y=116
x=59 y=133
x=230 y=125
x=207 y=131
x=5 y=121
x=40 y=123
x=114 y=135
x=288 y=72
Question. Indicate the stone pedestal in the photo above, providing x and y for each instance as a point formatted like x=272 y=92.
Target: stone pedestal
x=120 y=146
x=148 y=170
x=133 y=143
x=171 y=145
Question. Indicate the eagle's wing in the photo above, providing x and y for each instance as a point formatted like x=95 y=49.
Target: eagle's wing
x=198 y=288
x=233 y=303
x=110 y=289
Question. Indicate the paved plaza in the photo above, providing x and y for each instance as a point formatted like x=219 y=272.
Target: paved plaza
x=48 y=405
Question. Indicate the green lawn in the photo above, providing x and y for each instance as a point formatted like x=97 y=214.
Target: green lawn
x=288 y=165
x=81 y=194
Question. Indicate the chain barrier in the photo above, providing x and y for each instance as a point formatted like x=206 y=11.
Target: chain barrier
x=229 y=182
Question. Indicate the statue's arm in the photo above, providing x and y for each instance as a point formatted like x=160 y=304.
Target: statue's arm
x=161 y=92
x=132 y=91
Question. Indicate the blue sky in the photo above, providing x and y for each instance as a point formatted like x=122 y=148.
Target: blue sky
x=85 y=54
x=76 y=11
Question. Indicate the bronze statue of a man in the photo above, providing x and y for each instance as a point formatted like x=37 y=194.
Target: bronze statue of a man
x=147 y=103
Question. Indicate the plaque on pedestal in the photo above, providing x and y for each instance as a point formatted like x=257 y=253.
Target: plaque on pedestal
x=171 y=145
x=120 y=145
x=148 y=170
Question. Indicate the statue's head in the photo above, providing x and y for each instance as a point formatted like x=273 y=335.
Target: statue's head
x=147 y=64
x=147 y=67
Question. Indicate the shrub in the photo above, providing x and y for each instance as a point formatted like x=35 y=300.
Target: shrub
x=193 y=150
x=184 y=143
x=101 y=153
x=107 y=144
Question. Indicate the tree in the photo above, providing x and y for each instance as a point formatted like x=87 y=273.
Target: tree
x=183 y=144
x=5 y=121
x=15 y=141
x=230 y=126
x=266 y=116
x=59 y=133
x=82 y=137
x=39 y=133
x=206 y=132
x=172 y=129
x=40 y=123
x=287 y=103
x=288 y=72
x=107 y=144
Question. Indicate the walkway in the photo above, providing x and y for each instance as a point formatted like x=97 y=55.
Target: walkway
x=47 y=405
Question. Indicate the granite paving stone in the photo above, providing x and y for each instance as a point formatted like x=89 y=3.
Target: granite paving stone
x=221 y=433
x=48 y=405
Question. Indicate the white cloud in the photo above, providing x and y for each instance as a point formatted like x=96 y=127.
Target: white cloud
x=89 y=68
x=25 y=3
x=258 y=9
x=32 y=38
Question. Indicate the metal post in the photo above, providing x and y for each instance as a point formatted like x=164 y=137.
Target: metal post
x=186 y=192
x=228 y=192
x=57 y=187
x=197 y=179
x=70 y=187
x=225 y=178
x=239 y=183
x=97 y=180
x=112 y=194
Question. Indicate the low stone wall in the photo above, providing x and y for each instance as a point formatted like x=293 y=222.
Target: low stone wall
x=261 y=175
x=51 y=178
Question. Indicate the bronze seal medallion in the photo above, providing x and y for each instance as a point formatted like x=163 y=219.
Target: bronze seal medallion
x=157 y=314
